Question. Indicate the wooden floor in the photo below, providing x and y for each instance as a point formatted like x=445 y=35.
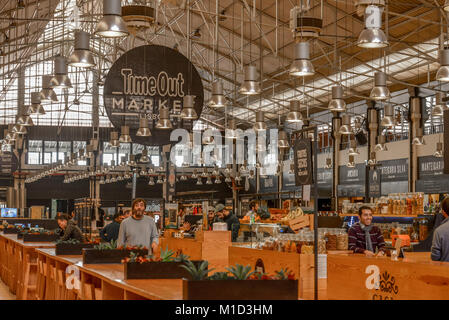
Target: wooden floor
x=5 y=294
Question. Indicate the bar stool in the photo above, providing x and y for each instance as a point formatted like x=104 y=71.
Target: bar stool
x=26 y=278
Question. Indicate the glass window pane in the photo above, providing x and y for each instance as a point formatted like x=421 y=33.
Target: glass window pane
x=65 y=149
x=137 y=148
x=109 y=153
x=50 y=152
x=35 y=152
x=124 y=151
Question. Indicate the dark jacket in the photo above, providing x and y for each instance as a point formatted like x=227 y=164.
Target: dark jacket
x=110 y=232
x=72 y=231
x=233 y=225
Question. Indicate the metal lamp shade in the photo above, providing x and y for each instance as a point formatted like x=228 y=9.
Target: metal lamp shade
x=372 y=38
x=144 y=158
x=345 y=128
x=418 y=140
x=124 y=135
x=36 y=109
x=381 y=144
x=443 y=71
x=439 y=152
x=164 y=119
x=380 y=92
x=337 y=104
x=283 y=140
x=446 y=6
x=250 y=84
x=144 y=130
x=388 y=120
x=188 y=112
x=114 y=141
x=295 y=114
x=351 y=163
x=302 y=66
x=60 y=79
x=231 y=130
x=19 y=129
x=260 y=124
x=353 y=149
x=47 y=94
x=217 y=100
x=82 y=57
x=25 y=120
x=440 y=105
x=112 y=24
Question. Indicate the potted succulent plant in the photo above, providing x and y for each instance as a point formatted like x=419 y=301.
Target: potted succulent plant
x=71 y=247
x=110 y=253
x=167 y=266
x=238 y=283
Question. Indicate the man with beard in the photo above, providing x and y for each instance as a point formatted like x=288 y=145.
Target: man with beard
x=139 y=229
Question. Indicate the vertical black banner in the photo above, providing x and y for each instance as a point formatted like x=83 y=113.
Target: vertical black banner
x=303 y=162
x=374 y=186
x=446 y=141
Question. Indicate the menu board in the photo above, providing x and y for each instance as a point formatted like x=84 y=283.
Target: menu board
x=303 y=162
x=288 y=179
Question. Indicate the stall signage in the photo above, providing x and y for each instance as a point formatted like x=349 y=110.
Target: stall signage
x=268 y=184
x=356 y=190
x=352 y=175
x=288 y=179
x=430 y=167
x=324 y=176
x=375 y=177
x=148 y=78
x=303 y=162
x=446 y=141
x=8 y=163
x=383 y=284
x=394 y=170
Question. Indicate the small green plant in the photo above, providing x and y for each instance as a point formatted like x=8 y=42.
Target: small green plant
x=221 y=276
x=181 y=258
x=70 y=241
x=240 y=272
x=197 y=273
x=106 y=246
x=133 y=256
x=284 y=274
x=167 y=255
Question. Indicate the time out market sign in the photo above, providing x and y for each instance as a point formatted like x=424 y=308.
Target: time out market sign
x=148 y=78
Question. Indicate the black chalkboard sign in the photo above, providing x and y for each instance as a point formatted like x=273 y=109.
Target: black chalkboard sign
x=303 y=162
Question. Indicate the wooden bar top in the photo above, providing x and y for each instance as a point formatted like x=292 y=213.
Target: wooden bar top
x=13 y=237
x=157 y=289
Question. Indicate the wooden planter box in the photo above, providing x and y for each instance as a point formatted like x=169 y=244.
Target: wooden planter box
x=40 y=237
x=240 y=290
x=10 y=230
x=20 y=235
x=70 y=249
x=157 y=270
x=96 y=256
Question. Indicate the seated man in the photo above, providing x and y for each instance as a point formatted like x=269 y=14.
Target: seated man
x=230 y=219
x=70 y=229
x=364 y=237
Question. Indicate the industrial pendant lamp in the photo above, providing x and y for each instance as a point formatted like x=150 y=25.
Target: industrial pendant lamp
x=351 y=163
x=112 y=24
x=381 y=144
x=188 y=112
x=440 y=105
x=151 y=182
x=231 y=132
x=372 y=36
x=199 y=182
x=302 y=66
x=446 y=6
x=218 y=99
x=250 y=84
x=19 y=129
x=353 y=149
x=337 y=104
x=260 y=124
x=164 y=119
x=124 y=135
x=294 y=115
x=60 y=79
x=25 y=120
x=418 y=140
x=439 y=152
x=82 y=57
x=345 y=127
x=144 y=130
x=47 y=94
x=380 y=91
x=114 y=141
x=327 y=166
x=36 y=107
x=443 y=71
x=144 y=158
x=372 y=159
x=388 y=119
x=283 y=140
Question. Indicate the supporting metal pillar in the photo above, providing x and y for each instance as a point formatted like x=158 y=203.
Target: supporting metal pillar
x=336 y=123
x=415 y=109
x=19 y=182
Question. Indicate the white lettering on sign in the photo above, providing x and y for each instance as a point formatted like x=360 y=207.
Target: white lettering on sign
x=72 y=277
x=353 y=173
x=373 y=280
x=147 y=105
x=163 y=85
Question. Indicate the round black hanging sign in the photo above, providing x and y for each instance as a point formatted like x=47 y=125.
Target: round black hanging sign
x=145 y=79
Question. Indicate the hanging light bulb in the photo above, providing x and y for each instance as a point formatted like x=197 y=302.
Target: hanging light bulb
x=114 y=141
x=47 y=94
x=439 y=152
x=283 y=140
x=144 y=158
x=144 y=130
x=188 y=111
x=112 y=24
x=302 y=66
x=218 y=99
x=440 y=105
x=60 y=79
x=250 y=85
x=328 y=163
x=294 y=115
x=353 y=149
x=260 y=124
x=82 y=57
x=388 y=119
x=351 y=163
x=418 y=140
x=381 y=144
x=164 y=119
x=345 y=127
x=372 y=36
x=380 y=92
x=337 y=104
x=124 y=135
x=443 y=71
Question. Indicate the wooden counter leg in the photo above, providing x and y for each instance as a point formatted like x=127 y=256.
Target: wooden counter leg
x=27 y=286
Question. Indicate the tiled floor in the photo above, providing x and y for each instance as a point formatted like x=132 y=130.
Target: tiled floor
x=4 y=292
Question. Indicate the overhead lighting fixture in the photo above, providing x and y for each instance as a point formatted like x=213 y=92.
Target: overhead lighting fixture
x=20 y=4
x=380 y=92
x=188 y=111
x=112 y=24
x=36 y=107
x=439 y=152
x=446 y=6
x=230 y=131
x=144 y=129
x=19 y=129
x=294 y=115
x=114 y=139
x=47 y=93
x=418 y=140
x=164 y=119
x=60 y=79
x=353 y=149
x=337 y=104
x=327 y=166
x=260 y=124
x=443 y=71
x=440 y=105
x=144 y=158
x=124 y=135
x=351 y=163
x=228 y=179
x=381 y=144
x=302 y=66
x=159 y=180
x=199 y=182
x=209 y=180
x=345 y=127
x=372 y=159
x=25 y=120
x=218 y=99
x=250 y=84
x=283 y=140
x=194 y=174
x=151 y=181
x=388 y=119
x=82 y=57
x=372 y=36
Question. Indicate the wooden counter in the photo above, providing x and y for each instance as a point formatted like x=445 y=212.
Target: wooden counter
x=356 y=277
x=211 y=246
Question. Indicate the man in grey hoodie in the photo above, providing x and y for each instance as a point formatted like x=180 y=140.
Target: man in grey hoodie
x=440 y=243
